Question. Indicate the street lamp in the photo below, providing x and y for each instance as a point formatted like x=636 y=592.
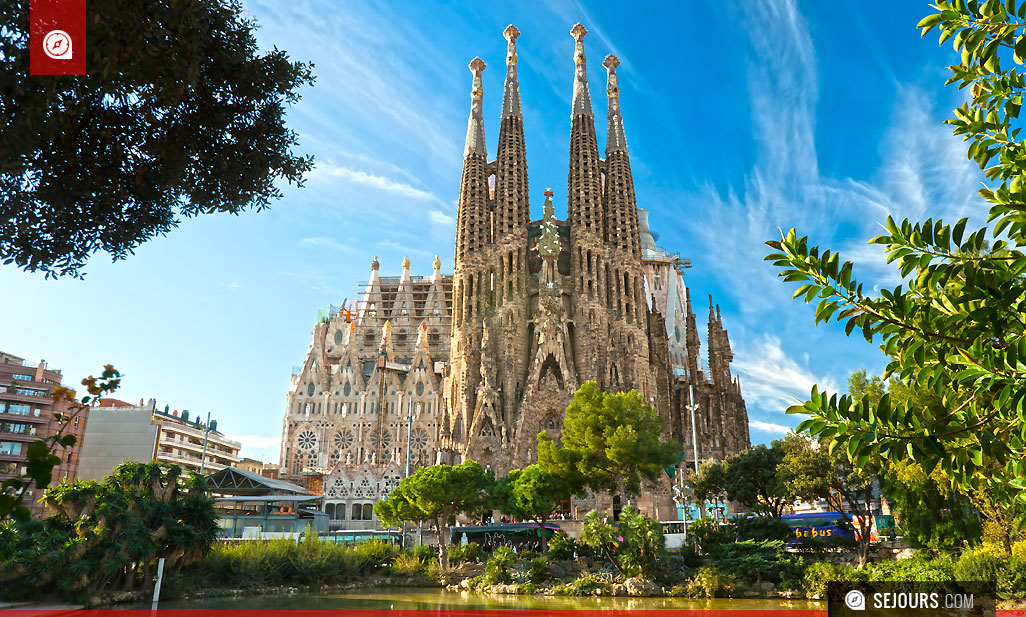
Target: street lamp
x=693 y=407
x=206 y=434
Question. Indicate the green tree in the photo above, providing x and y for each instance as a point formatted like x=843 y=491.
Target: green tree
x=927 y=510
x=437 y=493
x=532 y=494
x=180 y=115
x=809 y=472
x=610 y=442
x=956 y=326
x=804 y=472
x=751 y=478
x=107 y=536
x=40 y=456
x=709 y=482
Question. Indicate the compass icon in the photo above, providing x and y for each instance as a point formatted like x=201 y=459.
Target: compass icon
x=57 y=45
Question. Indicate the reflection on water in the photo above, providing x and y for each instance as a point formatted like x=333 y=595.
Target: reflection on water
x=433 y=599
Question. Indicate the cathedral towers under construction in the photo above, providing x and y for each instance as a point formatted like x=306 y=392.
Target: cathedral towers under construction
x=532 y=310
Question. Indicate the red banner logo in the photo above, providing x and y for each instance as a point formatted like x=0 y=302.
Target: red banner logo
x=57 y=37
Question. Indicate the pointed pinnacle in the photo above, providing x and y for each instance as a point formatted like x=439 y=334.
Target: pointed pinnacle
x=477 y=65
x=611 y=62
x=511 y=33
x=578 y=32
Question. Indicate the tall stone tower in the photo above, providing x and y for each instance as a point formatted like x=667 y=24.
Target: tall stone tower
x=541 y=307
x=474 y=366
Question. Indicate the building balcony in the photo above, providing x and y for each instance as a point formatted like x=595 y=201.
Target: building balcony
x=25 y=395
x=32 y=418
x=28 y=437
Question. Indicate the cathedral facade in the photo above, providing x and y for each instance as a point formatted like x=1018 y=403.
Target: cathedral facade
x=473 y=365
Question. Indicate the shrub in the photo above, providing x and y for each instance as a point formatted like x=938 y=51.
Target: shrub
x=753 y=561
x=818 y=575
x=562 y=547
x=1014 y=583
x=424 y=554
x=710 y=535
x=760 y=528
x=377 y=552
x=408 y=563
x=538 y=570
x=585 y=585
x=497 y=570
x=982 y=563
x=634 y=544
x=271 y=562
x=527 y=588
x=924 y=566
x=460 y=553
x=709 y=582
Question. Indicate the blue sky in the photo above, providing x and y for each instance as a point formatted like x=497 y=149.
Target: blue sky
x=741 y=118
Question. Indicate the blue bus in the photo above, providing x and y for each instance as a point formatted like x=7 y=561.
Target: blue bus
x=820 y=527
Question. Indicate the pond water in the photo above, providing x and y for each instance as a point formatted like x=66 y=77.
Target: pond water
x=434 y=599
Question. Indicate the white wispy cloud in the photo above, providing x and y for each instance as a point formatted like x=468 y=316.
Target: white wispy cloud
x=360 y=177
x=769 y=427
x=259 y=447
x=403 y=248
x=325 y=242
x=771 y=379
x=923 y=171
x=440 y=218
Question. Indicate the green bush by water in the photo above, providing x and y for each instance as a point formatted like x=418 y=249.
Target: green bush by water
x=459 y=553
x=499 y=566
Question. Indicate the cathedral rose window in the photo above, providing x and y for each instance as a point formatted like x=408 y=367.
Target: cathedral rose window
x=386 y=439
x=419 y=439
x=307 y=440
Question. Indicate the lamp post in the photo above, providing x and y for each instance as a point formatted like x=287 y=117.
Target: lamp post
x=206 y=435
x=409 y=450
x=693 y=407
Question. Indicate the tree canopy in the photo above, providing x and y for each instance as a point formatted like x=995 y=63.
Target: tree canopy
x=437 y=493
x=956 y=326
x=107 y=535
x=179 y=115
x=532 y=493
x=610 y=442
x=749 y=477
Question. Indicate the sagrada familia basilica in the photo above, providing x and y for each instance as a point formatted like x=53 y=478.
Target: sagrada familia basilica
x=473 y=365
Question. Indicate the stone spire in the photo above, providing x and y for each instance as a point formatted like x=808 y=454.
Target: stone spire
x=512 y=206
x=615 y=138
x=371 y=303
x=475 y=125
x=583 y=184
x=511 y=90
x=473 y=230
x=582 y=99
x=621 y=209
x=403 y=303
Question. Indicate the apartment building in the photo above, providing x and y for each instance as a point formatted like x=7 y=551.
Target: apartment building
x=27 y=414
x=121 y=432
